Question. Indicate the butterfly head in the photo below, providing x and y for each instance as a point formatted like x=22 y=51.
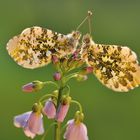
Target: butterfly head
x=87 y=39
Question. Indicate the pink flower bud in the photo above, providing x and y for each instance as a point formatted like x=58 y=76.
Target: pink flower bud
x=33 y=86
x=57 y=76
x=28 y=87
x=75 y=131
x=63 y=109
x=49 y=109
x=88 y=70
x=62 y=112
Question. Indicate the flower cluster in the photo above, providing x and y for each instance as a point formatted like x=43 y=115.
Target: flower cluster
x=55 y=105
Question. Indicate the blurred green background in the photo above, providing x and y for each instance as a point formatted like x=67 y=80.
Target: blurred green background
x=108 y=115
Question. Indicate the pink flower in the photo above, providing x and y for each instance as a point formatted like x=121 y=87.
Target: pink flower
x=49 y=109
x=75 y=131
x=28 y=87
x=31 y=122
x=63 y=108
x=62 y=112
x=33 y=86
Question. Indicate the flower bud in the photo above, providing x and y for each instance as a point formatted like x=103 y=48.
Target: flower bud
x=49 y=109
x=81 y=77
x=63 y=108
x=86 y=70
x=57 y=76
x=33 y=86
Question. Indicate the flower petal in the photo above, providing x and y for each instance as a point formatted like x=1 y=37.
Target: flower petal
x=28 y=133
x=49 y=110
x=21 y=120
x=62 y=112
x=76 y=131
x=35 y=123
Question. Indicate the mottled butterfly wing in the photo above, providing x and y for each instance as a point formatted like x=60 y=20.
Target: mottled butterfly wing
x=35 y=46
x=30 y=49
x=115 y=66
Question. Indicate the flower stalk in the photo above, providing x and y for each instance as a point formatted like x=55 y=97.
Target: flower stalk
x=58 y=124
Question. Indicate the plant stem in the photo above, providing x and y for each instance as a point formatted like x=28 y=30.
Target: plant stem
x=57 y=135
x=57 y=131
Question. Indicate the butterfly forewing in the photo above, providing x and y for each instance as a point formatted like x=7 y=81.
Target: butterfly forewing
x=115 y=66
x=30 y=49
x=35 y=46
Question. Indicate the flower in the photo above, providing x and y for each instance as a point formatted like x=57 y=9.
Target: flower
x=75 y=131
x=33 y=86
x=34 y=125
x=63 y=108
x=49 y=109
x=57 y=76
x=31 y=122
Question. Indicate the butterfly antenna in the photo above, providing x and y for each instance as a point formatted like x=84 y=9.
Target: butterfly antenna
x=87 y=17
x=89 y=21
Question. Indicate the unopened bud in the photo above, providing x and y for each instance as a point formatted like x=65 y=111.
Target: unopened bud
x=49 y=109
x=33 y=86
x=86 y=70
x=63 y=108
x=57 y=76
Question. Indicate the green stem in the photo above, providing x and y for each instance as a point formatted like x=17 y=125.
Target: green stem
x=68 y=77
x=57 y=131
x=51 y=83
x=58 y=125
x=68 y=87
x=45 y=97
x=76 y=102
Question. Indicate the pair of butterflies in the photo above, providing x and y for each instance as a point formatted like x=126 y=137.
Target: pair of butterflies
x=115 y=66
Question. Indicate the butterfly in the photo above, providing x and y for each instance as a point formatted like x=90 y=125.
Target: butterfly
x=115 y=66
x=35 y=46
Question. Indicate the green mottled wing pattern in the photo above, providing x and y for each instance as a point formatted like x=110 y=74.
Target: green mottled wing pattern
x=33 y=47
x=115 y=66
